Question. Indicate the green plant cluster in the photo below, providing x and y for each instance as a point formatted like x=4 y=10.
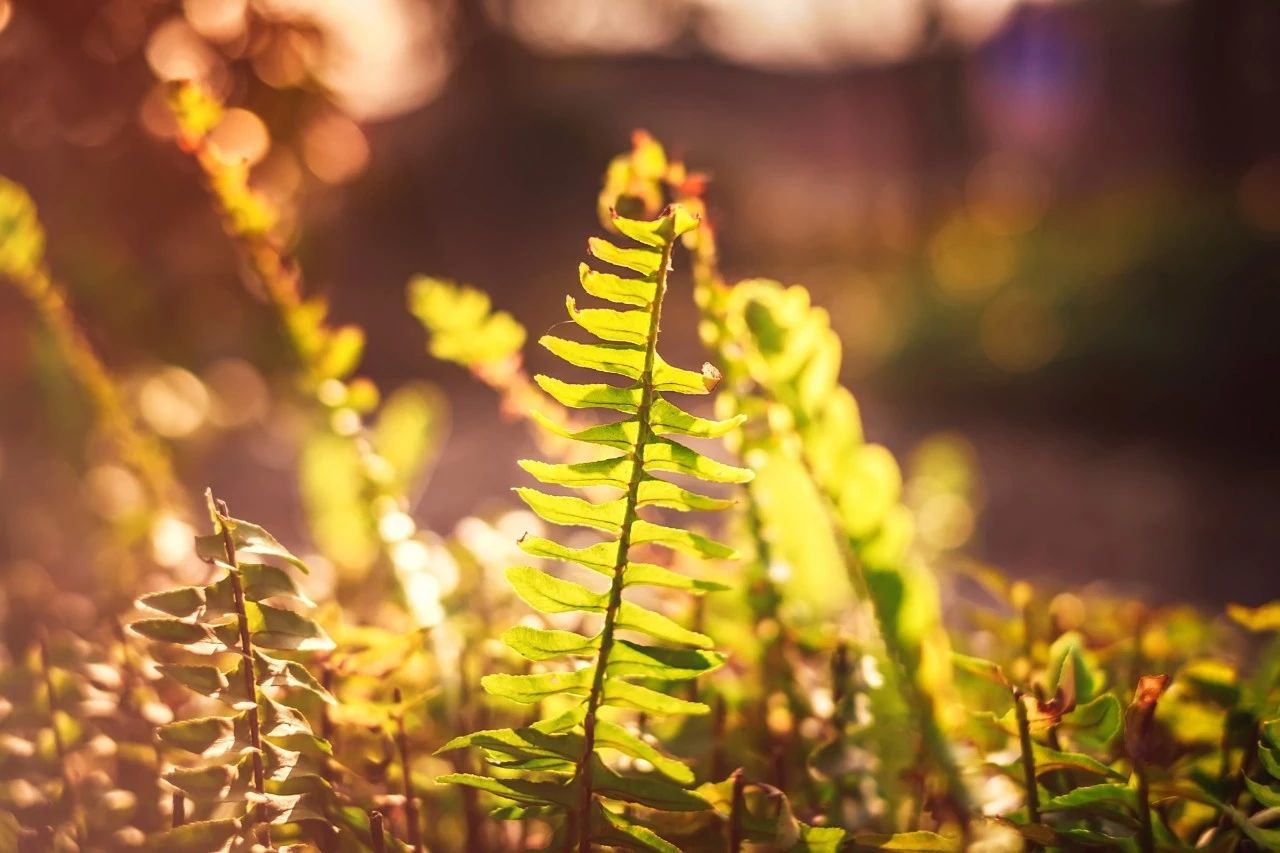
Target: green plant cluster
x=802 y=674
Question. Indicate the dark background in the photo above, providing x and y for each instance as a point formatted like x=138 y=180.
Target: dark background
x=1136 y=443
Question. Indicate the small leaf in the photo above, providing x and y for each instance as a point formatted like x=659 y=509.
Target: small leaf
x=614 y=472
x=599 y=557
x=626 y=327
x=668 y=419
x=541 y=644
x=261 y=581
x=648 y=574
x=520 y=790
x=1268 y=796
x=180 y=602
x=1092 y=795
x=596 y=395
x=621 y=359
x=273 y=672
x=982 y=668
x=548 y=594
x=209 y=784
x=645 y=532
x=1095 y=724
x=611 y=735
x=677 y=380
x=203 y=679
x=621 y=435
x=652 y=791
x=624 y=694
x=1048 y=760
x=528 y=689
x=277 y=628
x=574 y=511
x=252 y=539
x=630 y=659
x=636 y=618
x=207 y=737
x=616 y=831
x=646 y=260
x=667 y=455
x=174 y=631
x=626 y=291
x=660 y=493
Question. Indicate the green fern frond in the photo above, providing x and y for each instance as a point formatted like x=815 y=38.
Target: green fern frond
x=564 y=752
x=791 y=356
x=263 y=754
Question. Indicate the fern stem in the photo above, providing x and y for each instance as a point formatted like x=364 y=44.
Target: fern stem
x=412 y=829
x=737 y=806
x=248 y=670
x=582 y=775
x=1028 y=761
x=1146 y=835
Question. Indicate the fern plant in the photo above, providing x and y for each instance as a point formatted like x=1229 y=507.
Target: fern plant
x=263 y=775
x=563 y=752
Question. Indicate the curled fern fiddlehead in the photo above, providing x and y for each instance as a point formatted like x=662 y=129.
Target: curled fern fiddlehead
x=564 y=751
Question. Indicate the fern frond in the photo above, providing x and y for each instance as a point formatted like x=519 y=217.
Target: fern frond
x=791 y=360
x=564 y=751
x=263 y=754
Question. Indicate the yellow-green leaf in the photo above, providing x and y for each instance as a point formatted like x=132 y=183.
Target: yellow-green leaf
x=548 y=594
x=574 y=511
x=626 y=327
x=623 y=359
x=645 y=260
x=679 y=540
x=666 y=455
x=528 y=689
x=596 y=395
x=543 y=644
x=626 y=291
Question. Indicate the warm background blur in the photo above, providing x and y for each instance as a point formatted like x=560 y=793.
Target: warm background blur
x=1050 y=227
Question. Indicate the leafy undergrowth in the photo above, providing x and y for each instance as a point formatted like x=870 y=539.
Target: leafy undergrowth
x=800 y=671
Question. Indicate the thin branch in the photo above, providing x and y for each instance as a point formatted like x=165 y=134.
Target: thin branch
x=248 y=670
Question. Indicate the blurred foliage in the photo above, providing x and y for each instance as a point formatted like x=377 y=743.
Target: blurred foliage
x=856 y=681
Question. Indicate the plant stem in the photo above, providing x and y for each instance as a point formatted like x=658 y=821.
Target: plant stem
x=248 y=669
x=376 y=839
x=1146 y=836
x=582 y=774
x=719 y=751
x=736 y=807
x=1028 y=761
x=59 y=746
x=179 y=809
x=410 y=802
